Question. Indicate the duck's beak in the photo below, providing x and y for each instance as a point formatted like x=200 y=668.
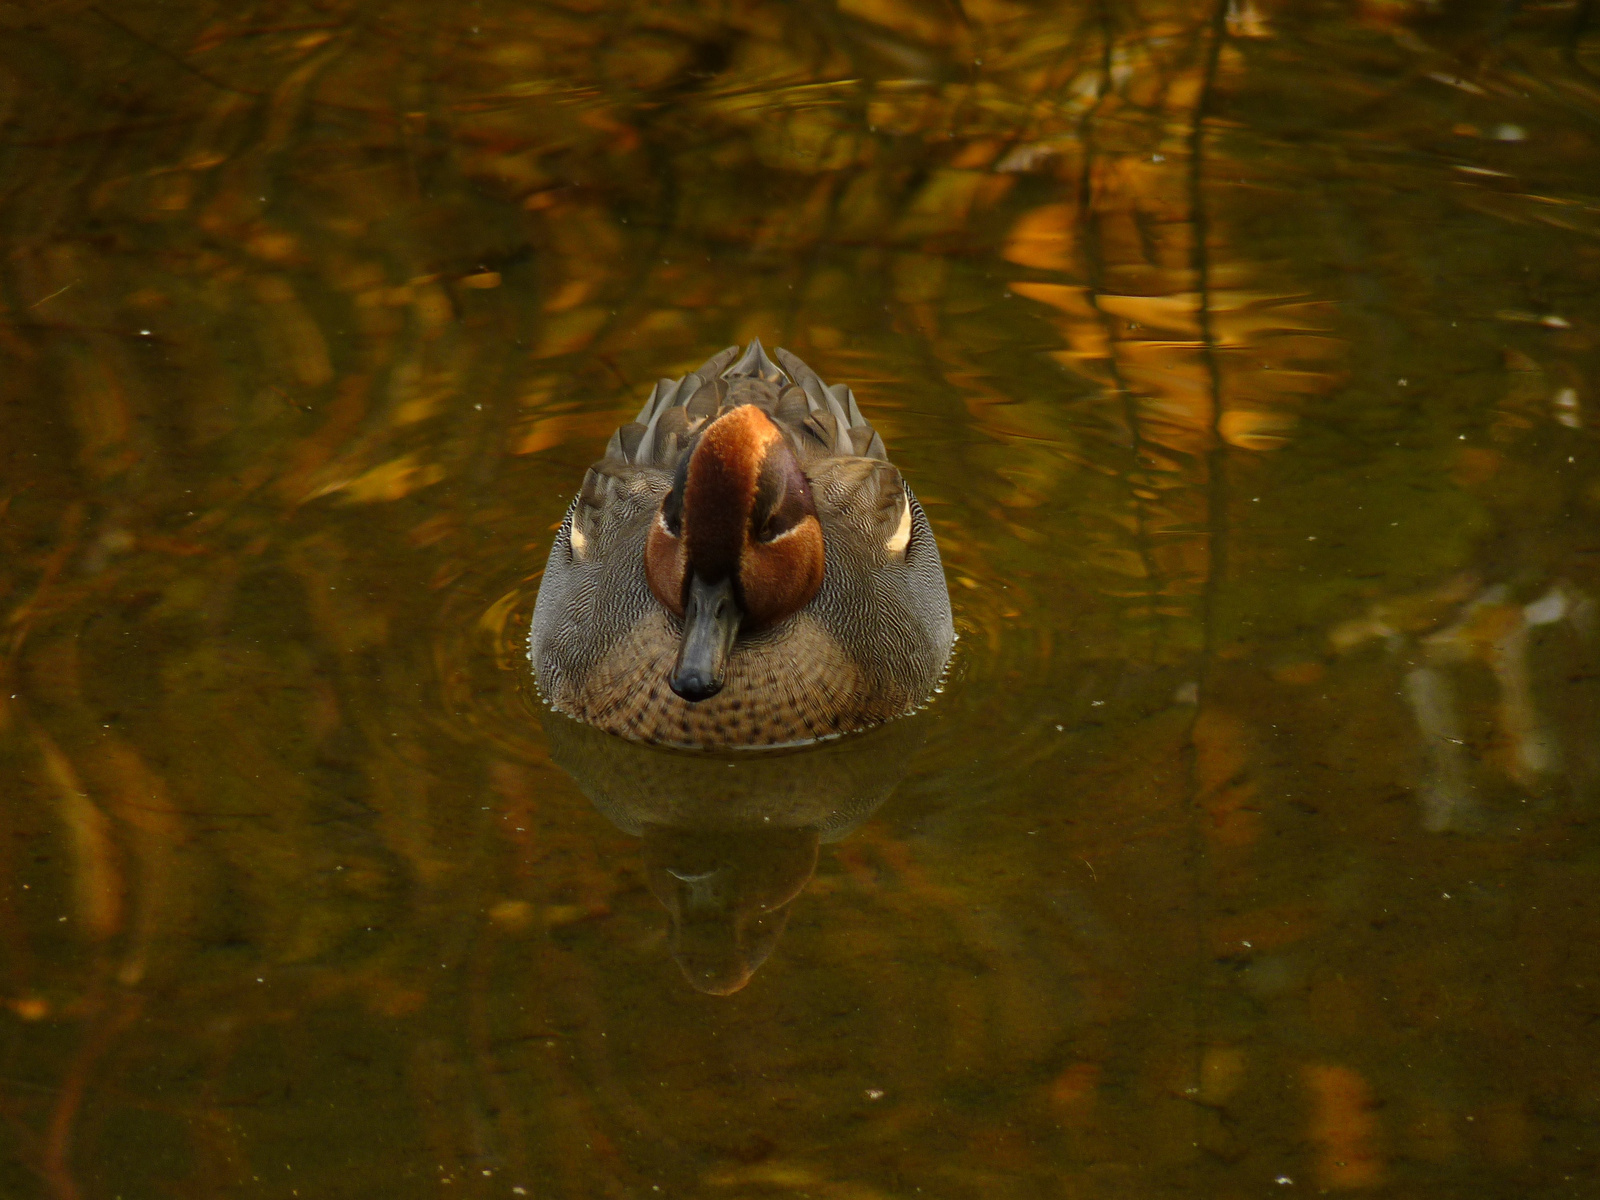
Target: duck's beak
x=711 y=617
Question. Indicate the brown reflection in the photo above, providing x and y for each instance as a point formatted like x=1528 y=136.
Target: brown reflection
x=1480 y=689
x=730 y=841
x=728 y=895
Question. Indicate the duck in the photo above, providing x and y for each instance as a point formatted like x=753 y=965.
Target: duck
x=743 y=568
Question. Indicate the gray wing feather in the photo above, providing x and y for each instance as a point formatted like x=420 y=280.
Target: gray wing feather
x=816 y=392
x=662 y=399
x=833 y=416
x=755 y=362
x=717 y=364
x=837 y=396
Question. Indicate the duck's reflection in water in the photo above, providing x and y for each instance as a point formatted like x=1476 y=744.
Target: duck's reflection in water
x=729 y=896
x=731 y=839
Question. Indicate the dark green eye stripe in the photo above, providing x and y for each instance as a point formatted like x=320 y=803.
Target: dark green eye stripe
x=783 y=498
x=672 y=506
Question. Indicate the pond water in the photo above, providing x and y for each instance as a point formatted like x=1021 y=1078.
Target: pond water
x=1246 y=357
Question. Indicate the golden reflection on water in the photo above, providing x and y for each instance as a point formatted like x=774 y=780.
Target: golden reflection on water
x=1244 y=358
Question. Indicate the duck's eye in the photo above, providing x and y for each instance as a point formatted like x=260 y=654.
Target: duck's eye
x=670 y=518
x=781 y=518
x=670 y=523
x=783 y=498
x=672 y=503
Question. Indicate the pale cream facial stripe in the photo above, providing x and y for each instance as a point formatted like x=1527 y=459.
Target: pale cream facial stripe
x=787 y=533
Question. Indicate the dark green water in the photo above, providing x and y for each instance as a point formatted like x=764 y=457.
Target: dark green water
x=1247 y=360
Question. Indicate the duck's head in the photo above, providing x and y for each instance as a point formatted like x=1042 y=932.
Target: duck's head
x=735 y=546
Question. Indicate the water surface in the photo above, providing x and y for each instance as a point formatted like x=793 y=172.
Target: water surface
x=1245 y=359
